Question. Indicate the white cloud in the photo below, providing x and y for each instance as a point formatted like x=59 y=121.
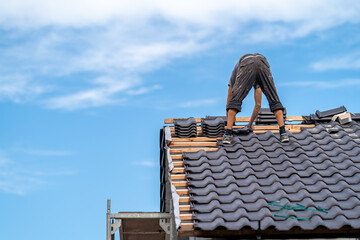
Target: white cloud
x=79 y=13
x=17 y=177
x=325 y=84
x=349 y=62
x=199 y=103
x=19 y=87
x=53 y=173
x=145 y=163
x=83 y=99
x=107 y=53
x=51 y=42
x=141 y=52
x=42 y=152
x=11 y=178
x=3 y=159
x=16 y=183
x=143 y=90
x=95 y=97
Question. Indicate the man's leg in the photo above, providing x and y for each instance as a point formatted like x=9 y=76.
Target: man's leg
x=268 y=87
x=244 y=81
x=279 y=114
x=231 y=118
x=257 y=107
x=231 y=113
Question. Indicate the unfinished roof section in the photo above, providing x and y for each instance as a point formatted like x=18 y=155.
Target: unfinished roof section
x=226 y=190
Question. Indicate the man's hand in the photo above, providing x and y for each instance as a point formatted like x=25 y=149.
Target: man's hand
x=250 y=126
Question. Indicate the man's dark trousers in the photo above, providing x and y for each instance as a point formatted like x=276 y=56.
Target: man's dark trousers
x=253 y=70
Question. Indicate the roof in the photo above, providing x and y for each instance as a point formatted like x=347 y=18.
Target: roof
x=226 y=189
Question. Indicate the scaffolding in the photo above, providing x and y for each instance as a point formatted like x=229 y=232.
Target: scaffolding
x=140 y=225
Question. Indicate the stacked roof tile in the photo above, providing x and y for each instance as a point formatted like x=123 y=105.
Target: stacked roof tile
x=213 y=127
x=266 y=116
x=185 y=128
x=225 y=190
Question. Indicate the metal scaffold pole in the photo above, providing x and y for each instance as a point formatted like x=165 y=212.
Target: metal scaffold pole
x=108 y=224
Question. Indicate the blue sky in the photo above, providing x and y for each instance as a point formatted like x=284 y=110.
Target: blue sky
x=85 y=86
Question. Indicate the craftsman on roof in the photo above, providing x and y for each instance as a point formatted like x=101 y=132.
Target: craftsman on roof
x=252 y=70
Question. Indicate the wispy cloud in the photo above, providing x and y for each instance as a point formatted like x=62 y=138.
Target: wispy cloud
x=62 y=44
x=324 y=84
x=42 y=152
x=53 y=173
x=111 y=63
x=19 y=87
x=97 y=96
x=145 y=163
x=199 y=103
x=3 y=159
x=18 y=177
x=143 y=90
x=14 y=182
x=200 y=13
x=351 y=61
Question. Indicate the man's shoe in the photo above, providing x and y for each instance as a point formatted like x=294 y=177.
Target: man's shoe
x=227 y=139
x=284 y=137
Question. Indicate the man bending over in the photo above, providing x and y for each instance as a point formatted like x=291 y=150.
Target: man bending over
x=252 y=70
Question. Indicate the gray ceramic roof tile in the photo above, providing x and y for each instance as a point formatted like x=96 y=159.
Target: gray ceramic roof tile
x=213 y=130
x=185 y=128
x=330 y=112
x=326 y=116
x=185 y=122
x=232 y=187
x=215 y=117
x=213 y=127
x=213 y=122
x=266 y=116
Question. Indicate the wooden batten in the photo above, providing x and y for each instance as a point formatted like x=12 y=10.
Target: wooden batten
x=184 y=199
x=177 y=177
x=238 y=119
x=186 y=216
x=176 y=156
x=178 y=170
x=193 y=144
x=192 y=150
x=187 y=226
x=180 y=184
x=182 y=191
x=185 y=208
x=178 y=163
x=171 y=120
x=197 y=139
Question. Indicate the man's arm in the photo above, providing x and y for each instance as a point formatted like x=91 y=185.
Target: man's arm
x=257 y=96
